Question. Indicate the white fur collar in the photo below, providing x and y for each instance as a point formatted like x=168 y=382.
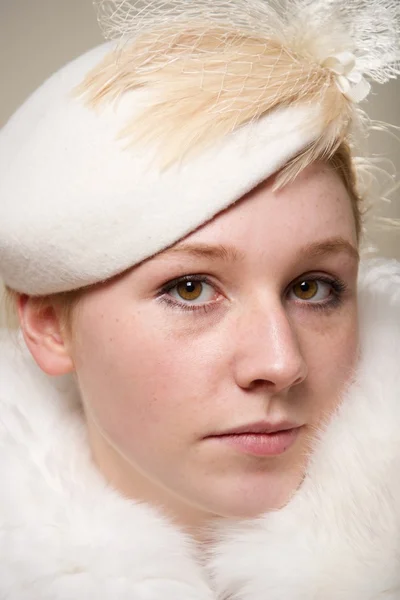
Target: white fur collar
x=64 y=534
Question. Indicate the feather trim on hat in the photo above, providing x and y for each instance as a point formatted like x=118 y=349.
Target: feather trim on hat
x=215 y=65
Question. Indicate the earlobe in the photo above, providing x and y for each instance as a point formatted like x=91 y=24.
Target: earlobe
x=41 y=328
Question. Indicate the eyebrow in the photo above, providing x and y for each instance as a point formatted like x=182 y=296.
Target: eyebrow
x=217 y=252
x=231 y=254
x=330 y=246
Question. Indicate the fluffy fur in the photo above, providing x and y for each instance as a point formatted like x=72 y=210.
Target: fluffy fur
x=65 y=534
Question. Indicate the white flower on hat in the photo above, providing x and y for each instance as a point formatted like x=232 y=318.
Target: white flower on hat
x=350 y=80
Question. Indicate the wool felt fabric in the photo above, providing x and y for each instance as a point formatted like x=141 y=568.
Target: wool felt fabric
x=66 y=534
x=78 y=206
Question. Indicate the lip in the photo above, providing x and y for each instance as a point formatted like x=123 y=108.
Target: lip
x=260 y=439
x=260 y=444
x=258 y=427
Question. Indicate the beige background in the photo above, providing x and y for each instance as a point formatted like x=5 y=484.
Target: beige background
x=38 y=36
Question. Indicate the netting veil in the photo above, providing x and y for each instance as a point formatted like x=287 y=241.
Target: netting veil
x=367 y=28
x=215 y=65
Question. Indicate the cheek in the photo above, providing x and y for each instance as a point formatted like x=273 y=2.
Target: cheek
x=144 y=382
x=331 y=350
x=124 y=382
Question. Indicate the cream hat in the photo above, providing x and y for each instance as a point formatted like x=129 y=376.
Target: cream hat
x=79 y=204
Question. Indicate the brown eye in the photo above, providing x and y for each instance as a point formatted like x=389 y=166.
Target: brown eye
x=306 y=290
x=192 y=291
x=189 y=290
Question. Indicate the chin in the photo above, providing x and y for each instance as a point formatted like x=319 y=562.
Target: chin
x=258 y=495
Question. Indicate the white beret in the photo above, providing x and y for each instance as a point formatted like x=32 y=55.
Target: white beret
x=77 y=206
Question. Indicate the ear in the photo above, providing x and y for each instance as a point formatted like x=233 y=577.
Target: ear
x=42 y=331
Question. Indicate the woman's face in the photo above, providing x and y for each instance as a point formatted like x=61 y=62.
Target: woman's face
x=250 y=320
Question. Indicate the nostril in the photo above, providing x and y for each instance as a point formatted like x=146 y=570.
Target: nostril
x=299 y=380
x=260 y=383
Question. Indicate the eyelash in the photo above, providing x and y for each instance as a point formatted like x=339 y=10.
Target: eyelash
x=338 y=287
x=186 y=307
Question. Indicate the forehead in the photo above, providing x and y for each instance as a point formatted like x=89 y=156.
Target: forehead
x=314 y=207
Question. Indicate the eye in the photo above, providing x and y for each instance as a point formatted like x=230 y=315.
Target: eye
x=313 y=290
x=192 y=291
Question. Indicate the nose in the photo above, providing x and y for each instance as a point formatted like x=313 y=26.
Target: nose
x=267 y=350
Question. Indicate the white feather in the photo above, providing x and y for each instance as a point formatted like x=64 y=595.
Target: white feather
x=369 y=29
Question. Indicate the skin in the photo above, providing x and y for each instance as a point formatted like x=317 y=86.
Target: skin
x=156 y=379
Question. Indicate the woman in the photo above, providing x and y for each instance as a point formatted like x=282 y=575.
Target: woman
x=202 y=401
